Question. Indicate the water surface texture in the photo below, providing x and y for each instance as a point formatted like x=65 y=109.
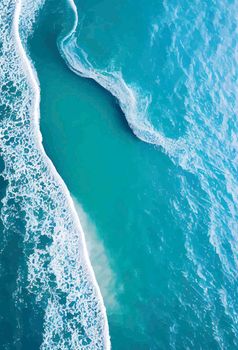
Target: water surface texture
x=138 y=113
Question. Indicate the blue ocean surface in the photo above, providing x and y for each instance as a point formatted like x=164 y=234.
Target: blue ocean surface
x=119 y=186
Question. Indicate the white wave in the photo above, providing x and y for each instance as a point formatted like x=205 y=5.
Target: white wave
x=60 y=272
x=132 y=101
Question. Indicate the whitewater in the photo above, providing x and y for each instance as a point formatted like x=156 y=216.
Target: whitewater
x=59 y=274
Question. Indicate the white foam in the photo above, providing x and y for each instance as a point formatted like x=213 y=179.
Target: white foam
x=133 y=102
x=60 y=268
x=154 y=31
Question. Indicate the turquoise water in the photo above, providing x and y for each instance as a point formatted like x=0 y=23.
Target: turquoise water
x=148 y=151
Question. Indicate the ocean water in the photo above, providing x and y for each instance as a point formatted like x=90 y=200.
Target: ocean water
x=137 y=107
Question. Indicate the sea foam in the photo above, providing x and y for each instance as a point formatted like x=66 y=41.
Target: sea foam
x=133 y=102
x=59 y=271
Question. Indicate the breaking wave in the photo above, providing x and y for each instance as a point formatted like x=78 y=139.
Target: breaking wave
x=59 y=273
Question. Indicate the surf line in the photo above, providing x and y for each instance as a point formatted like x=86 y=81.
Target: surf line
x=33 y=81
x=128 y=96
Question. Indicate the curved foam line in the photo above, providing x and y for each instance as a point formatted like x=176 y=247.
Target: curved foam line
x=33 y=81
x=76 y=19
x=127 y=96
